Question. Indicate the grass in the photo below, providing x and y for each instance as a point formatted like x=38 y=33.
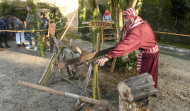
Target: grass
x=73 y=35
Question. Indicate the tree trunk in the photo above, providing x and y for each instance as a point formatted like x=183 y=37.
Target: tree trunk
x=96 y=14
x=142 y=105
x=137 y=87
x=133 y=4
x=118 y=21
x=139 y=5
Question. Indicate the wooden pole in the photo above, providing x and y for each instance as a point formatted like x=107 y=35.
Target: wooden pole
x=67 y=28
x=86 y=82
x=102 y=29
x=113 y=64
x=46 y=77
x=52 y=27
x=98 y=42
x=45 y=72
x=74 y=96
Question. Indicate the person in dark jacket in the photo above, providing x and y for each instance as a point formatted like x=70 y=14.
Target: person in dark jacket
x=3 y=35
x=31 y=24
x=14 y=23
x=43 y=24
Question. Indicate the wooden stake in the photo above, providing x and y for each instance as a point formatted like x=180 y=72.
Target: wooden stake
x=52 y=27
x=102 y=39
x=44 y=82
x=74 y=96
x=45 y=72
x=113 y=64
x=67 y=28
x=86 y=82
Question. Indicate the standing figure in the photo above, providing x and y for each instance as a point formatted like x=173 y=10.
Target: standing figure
x=43 y=24
x=14 y=23
x=107 y=15
x=3 y=35
x=138 y=34
x=31 y=24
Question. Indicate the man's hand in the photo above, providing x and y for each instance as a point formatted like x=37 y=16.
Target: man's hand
x=101 y=62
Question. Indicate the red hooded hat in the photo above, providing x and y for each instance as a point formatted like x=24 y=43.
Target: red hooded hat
x=107 y=12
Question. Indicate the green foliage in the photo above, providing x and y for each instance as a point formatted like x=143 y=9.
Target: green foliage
x=127 y=65
x=57 y=16
x=124 y=4
x=42 y=46
x=168 y=16
x=73 y=35
x=6 y=9
x=32 y=5
x=179 y=8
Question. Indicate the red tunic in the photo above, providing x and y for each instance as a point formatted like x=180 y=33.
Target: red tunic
x=140 y=37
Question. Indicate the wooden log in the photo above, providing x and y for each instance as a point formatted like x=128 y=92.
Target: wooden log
x=74 y=96
x=84 y=58
x=141 y=105
x=137 y=87
x=113 y=64
x=68 y=53
x=73 y=47
x=144 y=93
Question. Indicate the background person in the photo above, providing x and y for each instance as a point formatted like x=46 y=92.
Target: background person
x=31 y=24
x=14 y=23
x=3 y=35
x=43 y=24
x=107 y=15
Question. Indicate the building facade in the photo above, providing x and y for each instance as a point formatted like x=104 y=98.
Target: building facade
x=67 y=7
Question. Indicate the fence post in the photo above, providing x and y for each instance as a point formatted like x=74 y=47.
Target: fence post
x=52 y=27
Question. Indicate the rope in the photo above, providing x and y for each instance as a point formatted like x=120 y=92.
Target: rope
x=39 y=30
x=86 y=27
x=172 y=34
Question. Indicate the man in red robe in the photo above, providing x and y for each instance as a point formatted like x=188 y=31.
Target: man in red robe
x=138 y=34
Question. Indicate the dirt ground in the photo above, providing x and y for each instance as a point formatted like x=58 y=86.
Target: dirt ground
x=26 y=65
